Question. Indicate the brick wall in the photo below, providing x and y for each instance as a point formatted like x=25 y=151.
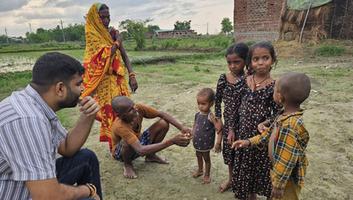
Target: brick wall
x=257 y=19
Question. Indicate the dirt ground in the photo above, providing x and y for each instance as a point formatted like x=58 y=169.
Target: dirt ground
x=171 y=87
x=328 y=118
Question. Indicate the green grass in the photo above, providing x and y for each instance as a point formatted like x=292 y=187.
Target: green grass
x=199 y=43
x=10 y=82
x=329 y=50
x=48 y=46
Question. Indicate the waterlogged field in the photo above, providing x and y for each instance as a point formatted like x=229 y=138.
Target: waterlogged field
x=172 y=87
x=13 y=62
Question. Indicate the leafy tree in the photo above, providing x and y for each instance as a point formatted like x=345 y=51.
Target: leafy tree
x=3 y=39
x=184 y=25
x=152 y=28
x=136 y=30
x=75 y=32
x=226 y=25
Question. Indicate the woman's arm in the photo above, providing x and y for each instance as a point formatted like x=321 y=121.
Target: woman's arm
x=132 y=76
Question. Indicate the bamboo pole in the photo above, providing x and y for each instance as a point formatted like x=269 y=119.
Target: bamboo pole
x=306 y=17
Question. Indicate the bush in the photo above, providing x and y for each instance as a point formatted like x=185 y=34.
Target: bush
x=329 y=50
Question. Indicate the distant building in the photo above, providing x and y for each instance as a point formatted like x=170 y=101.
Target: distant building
x=174 y=33
x=257 y=19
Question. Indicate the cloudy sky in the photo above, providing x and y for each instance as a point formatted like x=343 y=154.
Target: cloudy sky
x=17 y=16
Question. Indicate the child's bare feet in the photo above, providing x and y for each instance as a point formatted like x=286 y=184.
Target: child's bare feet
x=206 y=179
x=129 y=172
x=197 y=173
x=225 y=186
x=156 y=159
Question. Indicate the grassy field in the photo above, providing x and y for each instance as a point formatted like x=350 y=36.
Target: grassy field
x=172 y=86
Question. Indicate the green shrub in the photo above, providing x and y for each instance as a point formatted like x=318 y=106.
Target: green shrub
x=329 y=50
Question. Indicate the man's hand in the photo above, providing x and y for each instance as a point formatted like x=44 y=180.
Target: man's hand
x=181 y=140
x=277 y=193
x=89 y=106
x=240 y=144
x=263 y=126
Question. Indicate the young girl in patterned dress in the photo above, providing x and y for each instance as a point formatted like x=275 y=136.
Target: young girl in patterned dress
x=228 y=91
x=251 y=169
x=204 y=133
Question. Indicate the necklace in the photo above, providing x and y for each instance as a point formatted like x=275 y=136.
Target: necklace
x=258 y=84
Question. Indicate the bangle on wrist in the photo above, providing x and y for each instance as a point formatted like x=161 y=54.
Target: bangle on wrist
x=92 y=190
x=132 y=74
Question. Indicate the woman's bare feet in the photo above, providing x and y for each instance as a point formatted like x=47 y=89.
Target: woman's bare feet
x=206 y=179
x=225 y=186
x=197 y=173
x=156 y=159
x=129 y=172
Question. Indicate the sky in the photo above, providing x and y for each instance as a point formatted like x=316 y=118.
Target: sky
x=20 y=16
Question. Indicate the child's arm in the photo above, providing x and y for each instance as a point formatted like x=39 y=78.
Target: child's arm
x=218 y=146
x=218 y=98
x=218 y=128
x=253 y=140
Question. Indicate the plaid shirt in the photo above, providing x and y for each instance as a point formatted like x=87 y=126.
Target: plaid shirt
x=289 y=160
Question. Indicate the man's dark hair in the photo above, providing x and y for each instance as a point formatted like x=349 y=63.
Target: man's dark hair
x=54 y=67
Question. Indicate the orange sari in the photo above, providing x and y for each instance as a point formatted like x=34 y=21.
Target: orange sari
x=104 y=76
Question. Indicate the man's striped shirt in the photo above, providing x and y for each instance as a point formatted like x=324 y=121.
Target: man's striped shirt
x=30 y=134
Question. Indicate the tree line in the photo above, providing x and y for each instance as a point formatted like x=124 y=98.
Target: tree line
x=131 y=29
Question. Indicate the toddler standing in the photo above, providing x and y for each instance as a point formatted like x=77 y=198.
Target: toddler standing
x=204 y=133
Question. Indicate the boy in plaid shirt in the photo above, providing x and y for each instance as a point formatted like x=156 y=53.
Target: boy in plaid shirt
x=287 y=137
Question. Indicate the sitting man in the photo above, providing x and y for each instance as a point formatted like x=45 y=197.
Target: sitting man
x=128 y=143
x=31 y=135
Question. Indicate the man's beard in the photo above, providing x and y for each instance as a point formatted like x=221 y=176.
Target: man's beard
x=70 y=101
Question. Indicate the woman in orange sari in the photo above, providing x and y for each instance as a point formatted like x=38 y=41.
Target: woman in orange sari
x=105 y=62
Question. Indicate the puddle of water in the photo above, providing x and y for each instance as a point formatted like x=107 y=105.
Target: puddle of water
x=15 y=64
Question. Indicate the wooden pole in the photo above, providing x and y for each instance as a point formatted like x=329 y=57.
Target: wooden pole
x=7 y=37
x=62 y=29
x=306 y=17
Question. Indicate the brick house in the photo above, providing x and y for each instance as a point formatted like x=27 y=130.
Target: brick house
x=257 y=19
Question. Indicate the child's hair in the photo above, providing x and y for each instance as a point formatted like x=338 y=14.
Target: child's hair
x=240 y=49
x=265 y=45
x=295 y=87
x=207 y=92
